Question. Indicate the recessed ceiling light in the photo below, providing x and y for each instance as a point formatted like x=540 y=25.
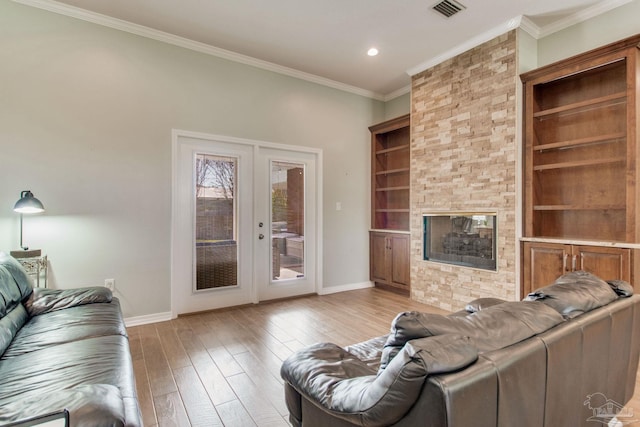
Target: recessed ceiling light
x=372 y=52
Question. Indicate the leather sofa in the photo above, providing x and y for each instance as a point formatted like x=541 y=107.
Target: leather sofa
x=567 y=355
x=63 y=350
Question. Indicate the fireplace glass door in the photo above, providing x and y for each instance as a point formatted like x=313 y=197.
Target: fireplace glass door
x=465 y=239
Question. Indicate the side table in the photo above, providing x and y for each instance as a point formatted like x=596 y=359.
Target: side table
x=36 y=267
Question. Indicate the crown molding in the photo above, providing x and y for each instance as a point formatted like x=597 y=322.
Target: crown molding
x=530 y=27
x=521 y=22
x=140 y=30
x=397 y=93
x=581 y=16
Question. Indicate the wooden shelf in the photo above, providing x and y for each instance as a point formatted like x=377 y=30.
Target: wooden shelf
x=581 y=146
x=393 y=188
x=392 y=149
x=580 y=168
x=392 y=210
x=578 y=106
x=579 y=163
x=598 y=139
x=390 y=171
x=578 y=207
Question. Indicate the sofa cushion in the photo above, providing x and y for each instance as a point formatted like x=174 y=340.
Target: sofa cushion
x=482 y=303
x=339 y=382
x=10 y=325
x=10 y=295
x=575 y=293
x=369 y=351
x=14 y=287
x=44 y=300
x=89 y=405
x=490 y=329
x=43 y=373
x=71 y=324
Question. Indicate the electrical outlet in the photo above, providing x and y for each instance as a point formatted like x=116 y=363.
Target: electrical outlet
x=110 y=284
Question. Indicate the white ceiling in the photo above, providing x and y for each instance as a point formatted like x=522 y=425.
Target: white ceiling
x=328 y=39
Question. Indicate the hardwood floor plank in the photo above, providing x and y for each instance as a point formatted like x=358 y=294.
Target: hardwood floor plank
x=210 y=376
x=264 y=380
x=233 y=414
x=225 y=361
x=173 y=350
x=259 y=333
x=145 y=396
x=135 y=345
x=158 y=369
x=260 y=409
x=214 y=382
x=170 y=410
x=200 y=409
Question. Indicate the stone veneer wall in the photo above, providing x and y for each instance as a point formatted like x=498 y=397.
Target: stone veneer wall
x=463 y=158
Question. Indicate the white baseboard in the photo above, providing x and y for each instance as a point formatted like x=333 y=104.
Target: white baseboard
x=343 y=288
x=147 y=318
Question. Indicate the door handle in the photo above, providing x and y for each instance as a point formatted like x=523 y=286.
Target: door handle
x=260 y=236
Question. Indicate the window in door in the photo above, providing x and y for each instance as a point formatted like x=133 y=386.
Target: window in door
x=216 y=246
x=287 y=220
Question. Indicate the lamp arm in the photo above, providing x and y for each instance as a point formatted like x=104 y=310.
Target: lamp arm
x=23 y=247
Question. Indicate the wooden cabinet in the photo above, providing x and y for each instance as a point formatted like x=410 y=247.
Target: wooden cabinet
x=545 y=262
x=390 y=174
x=389 y=250
x=389 y=260
x=580 y=170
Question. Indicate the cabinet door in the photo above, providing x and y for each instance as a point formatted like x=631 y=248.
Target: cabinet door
x=543 y=264
x=606 y=263
x=378 y=269
x=399 y=244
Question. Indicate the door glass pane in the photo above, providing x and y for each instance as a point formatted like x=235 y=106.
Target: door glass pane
x=287 y=220
x=215 y=222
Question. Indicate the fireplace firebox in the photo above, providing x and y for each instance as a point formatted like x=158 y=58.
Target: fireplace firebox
x=460 y=238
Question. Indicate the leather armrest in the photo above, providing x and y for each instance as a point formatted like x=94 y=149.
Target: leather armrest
x=621 y=288
x=340 y=383
x=46 y=300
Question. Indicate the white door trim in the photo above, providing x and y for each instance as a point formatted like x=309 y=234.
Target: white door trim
x=176 y=135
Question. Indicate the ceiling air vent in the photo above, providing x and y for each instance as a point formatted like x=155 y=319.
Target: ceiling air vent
x=448 y=8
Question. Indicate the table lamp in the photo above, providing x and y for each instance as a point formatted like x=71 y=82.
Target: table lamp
x=27 y=204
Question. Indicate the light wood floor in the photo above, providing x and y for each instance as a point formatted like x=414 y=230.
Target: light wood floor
x=223 y=368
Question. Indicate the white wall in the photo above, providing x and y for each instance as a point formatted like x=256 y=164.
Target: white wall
x=86 y=114
x=398 y=106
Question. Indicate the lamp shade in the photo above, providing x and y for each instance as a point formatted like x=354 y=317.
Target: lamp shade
x=28 y=204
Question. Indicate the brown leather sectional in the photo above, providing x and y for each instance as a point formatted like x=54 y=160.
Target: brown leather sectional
x=567 y=356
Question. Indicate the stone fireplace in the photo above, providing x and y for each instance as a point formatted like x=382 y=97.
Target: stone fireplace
x=463 y=159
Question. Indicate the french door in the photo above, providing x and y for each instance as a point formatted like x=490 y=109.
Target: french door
x=286 y=210
x=244 y=222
